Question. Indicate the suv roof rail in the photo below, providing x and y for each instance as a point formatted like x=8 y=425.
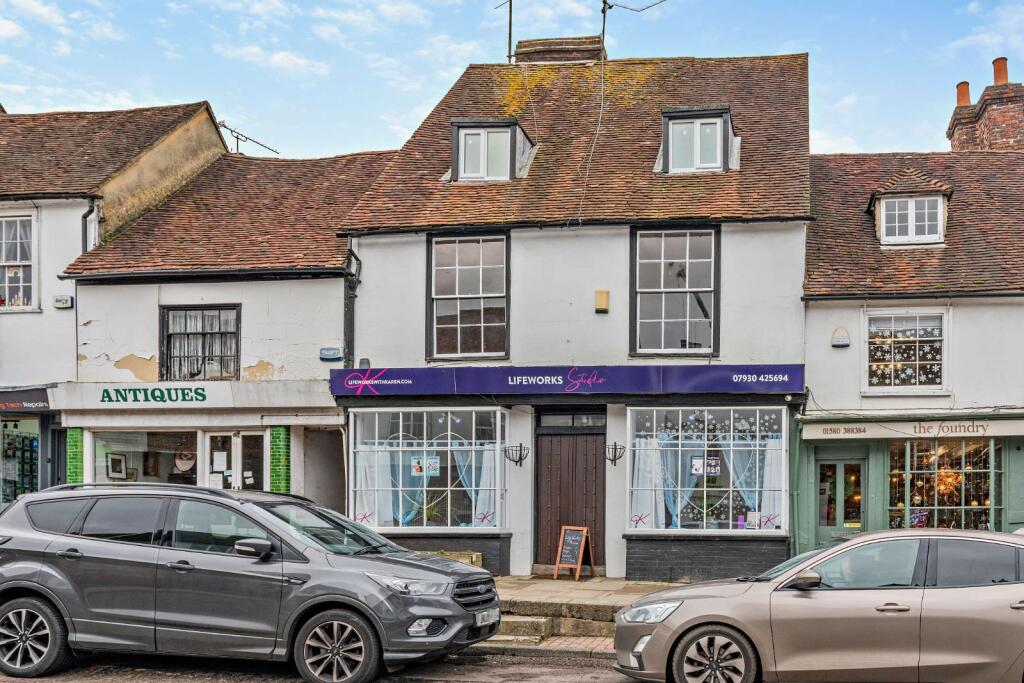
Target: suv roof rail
x=220 y=493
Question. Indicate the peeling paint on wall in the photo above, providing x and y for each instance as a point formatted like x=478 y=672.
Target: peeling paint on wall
x=144 y=369
x=258 y=371
x=82 y=357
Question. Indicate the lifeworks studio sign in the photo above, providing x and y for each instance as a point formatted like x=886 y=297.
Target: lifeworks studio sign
x=603 y=379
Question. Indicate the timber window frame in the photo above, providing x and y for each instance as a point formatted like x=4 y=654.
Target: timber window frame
x=219 y=345
x=19 y=262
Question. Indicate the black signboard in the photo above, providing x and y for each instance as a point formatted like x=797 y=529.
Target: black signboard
x=572 y=543
x=24 y=401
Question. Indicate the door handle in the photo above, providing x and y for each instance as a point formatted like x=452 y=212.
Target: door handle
x=180 y=566
x=1017 y=605
x=293 y=580
x=69 y=554
x=892 y=607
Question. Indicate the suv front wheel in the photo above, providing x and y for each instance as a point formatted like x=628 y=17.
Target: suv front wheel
x=337 y=646
x=33 y=639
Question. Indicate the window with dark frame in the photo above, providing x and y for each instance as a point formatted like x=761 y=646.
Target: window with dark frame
x=200 y=343
x=468 y=297
x=674 y=291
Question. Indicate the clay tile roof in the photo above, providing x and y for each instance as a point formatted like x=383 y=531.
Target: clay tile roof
x=912 y=181
x=243 y=213
x=557 y=105
x=62 y=153
x=984 y=244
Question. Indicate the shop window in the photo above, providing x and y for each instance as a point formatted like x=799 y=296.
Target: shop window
x=17 y=260
x=945 y=484
x=428 y=468
x=19 y=441
x=129 y=519
x=886 y=564
x=973 y=563
x=910 y=220
x=468 y=299
x=199 y=343
x=707 y=468
x=906 y=352
x=211 y=528
x=674 y=289
x=166 y=457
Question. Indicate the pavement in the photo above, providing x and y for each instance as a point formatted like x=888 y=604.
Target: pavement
x=463 y=668
x=599 y=590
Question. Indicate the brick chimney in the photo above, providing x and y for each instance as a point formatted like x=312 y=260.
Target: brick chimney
x=996 y=122
x=579 y=49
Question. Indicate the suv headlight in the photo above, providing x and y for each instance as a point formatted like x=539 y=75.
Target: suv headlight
x=410 y=586
x=654 y=613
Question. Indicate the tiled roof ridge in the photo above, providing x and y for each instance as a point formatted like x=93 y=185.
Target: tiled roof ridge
x=330 y=157
x=950 y=153
x=69 y=112
x=640 y=60
x=910 y=179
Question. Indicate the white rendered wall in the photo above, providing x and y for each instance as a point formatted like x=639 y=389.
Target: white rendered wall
x=519 y=487
x=616 y=505
x=39 y=345
x=978 y=334
x=284 y=323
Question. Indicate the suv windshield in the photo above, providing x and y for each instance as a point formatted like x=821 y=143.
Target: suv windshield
x=329 y=530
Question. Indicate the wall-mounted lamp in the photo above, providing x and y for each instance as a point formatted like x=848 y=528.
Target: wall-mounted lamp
x=601 y=298
x=364 y=364
x=613 y=452
x=516 y=454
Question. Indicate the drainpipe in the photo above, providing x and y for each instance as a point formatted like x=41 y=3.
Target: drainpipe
x=85 y=224
x=351 y=284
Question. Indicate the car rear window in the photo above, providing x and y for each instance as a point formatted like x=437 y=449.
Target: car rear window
x=55 y=516
x=129 y=520
x=974 y=563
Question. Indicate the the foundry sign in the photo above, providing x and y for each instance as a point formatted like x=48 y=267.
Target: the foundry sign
x=153 y=395
x=914 y=429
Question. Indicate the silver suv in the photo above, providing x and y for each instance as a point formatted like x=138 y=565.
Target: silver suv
x=192 y=571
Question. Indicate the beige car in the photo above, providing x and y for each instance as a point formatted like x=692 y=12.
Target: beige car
x=895 y=606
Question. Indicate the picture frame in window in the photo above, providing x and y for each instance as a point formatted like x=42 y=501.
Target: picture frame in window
x=151 y=464
x=133 y=474
x=117 y=466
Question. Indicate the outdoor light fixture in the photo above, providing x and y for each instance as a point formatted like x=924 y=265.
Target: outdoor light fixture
x=613 y=452
x=516 y=454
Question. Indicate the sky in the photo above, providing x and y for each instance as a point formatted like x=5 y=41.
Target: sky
x=328 y=77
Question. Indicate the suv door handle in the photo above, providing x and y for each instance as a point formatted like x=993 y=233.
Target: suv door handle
x=180 y=565
x=892 y=607
x=69 y=554
x=1017 y=605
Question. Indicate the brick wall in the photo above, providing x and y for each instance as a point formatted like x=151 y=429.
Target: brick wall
x=495 y=548
x=75 y=456
x=281 y=459
x=677 y=558
x=996 y=122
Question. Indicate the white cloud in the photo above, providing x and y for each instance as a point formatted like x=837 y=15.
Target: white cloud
x=31 y=98
x=846 y=102
x=177 y=7
x=973 y=7
x=1003 y=32
x=170 y=50
x=10 y=30
x=280 y=60
x=403 y=123
x=62 y=48
x=357 y=17
x=104 y=30
x=449 y=56
x=395 y=72
x=402 y=12
x=824 y=141
x=545 y=15
x=329 y=33
x=44 y=12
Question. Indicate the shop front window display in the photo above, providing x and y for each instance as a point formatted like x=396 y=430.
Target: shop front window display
x=165 y=457
x=707 y=468
x=428 y=468
x=19 y=441
x=945 y=484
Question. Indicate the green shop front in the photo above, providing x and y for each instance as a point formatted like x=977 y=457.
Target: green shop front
x=283 y=436
x=857 y=475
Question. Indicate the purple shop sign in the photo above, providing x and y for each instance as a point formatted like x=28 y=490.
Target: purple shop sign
x=561 y=379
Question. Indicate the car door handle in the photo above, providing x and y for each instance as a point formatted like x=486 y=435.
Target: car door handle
x=180 y=566
x=293 y=580
x=69 y=554
x=892 y=607
x=1017 y=605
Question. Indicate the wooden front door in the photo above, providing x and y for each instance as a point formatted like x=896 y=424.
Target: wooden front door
x=570 y=491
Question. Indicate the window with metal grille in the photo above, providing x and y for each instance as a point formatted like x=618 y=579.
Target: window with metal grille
x=200 y=343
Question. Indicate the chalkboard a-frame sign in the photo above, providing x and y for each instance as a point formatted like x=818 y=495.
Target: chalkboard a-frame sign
x=571 y=544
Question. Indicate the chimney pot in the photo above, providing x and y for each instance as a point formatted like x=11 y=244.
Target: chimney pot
x=999 y=74
x=963 y=94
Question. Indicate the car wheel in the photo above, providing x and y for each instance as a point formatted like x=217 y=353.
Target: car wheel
x=33 y=639
x=337 y=646
x=715 y=654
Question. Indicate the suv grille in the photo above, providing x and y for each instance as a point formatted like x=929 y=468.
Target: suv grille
x=469 y=594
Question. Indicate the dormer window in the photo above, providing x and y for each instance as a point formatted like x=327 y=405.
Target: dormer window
x=697 y=139
x=484 y=153
x=492 y=149
x=695 y=145
x=912 y=220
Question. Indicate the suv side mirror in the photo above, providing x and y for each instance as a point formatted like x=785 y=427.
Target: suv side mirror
x=253 y=547
x=805 y=580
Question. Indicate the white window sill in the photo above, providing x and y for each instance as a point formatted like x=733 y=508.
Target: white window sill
x=20 y=309
x=875 y=393
x=691 y=171
x=439 y=530
x=775 y=533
